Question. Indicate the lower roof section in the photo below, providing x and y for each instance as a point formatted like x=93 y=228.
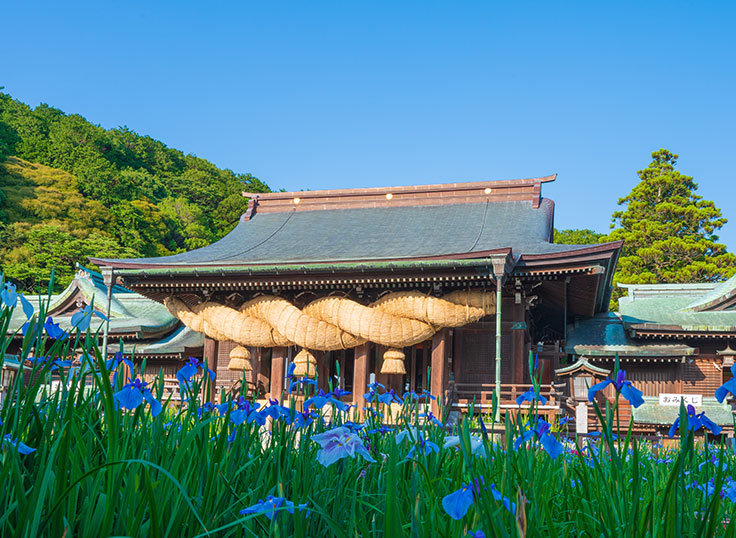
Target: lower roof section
x=605 y=335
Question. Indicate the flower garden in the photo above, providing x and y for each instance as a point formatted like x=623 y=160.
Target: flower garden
x=105 y=455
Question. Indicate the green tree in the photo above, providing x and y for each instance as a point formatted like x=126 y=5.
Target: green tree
x=668 y=230
x=578 y=237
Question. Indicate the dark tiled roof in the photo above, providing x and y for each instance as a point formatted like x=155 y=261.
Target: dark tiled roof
x=377 y=233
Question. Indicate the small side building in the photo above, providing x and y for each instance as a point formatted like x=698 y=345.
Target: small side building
x=675 y=341
x=146 y=329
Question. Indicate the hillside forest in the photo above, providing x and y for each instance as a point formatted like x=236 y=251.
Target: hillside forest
x=70 y=189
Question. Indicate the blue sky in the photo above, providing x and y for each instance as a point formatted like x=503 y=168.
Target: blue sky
x=356 y=94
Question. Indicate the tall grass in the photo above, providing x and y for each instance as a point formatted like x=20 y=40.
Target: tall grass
x=102 y=471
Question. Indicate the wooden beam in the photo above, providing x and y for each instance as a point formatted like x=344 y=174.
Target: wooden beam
x=439 y=373
x=210 y=355
x=278 y=372
x=360 y=373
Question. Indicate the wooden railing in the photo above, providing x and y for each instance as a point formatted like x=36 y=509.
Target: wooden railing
x=480 y=396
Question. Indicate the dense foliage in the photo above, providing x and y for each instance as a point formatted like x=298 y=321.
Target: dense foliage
x=577 y=237
x=70 y=189
x=101 y=457
x=669 y=232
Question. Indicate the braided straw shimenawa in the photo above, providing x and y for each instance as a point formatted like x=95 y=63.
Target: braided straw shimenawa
x=397 y=320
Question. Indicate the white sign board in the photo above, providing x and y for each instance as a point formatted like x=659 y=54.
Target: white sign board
x=673 y=400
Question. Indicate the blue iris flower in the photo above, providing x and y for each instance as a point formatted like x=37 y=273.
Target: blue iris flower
x=477 y=534
x=542 y=433
x=186 y=372
x=425 y=446
x=53 y=329
x=117 y=360
x=27 y=306
x=728 y=386
x=83 y=318
x=531 y=395
x=390 y=397
x=271 y=505
x=623 y=387
x=21 y=447
x=457 y=503
x=133 y=394
x=8 y=295
x=318 y=401
x=339 y=443
x=277 y=411
x=246 y=411
x=372 y=391
x=695 y=421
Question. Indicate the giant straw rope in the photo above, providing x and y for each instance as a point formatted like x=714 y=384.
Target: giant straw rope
x=396 y=320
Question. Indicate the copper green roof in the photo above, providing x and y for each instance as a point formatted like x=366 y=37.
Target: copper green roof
x=604 y=335
x=129 y=312
x=677 y=308
x=650 y=412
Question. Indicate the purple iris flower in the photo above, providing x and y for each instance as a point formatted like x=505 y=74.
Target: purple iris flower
x=189 y=369
x=271 y=505
x=623 y=387
x=133 y=394
x=531 y=395
x=9 y=296
x=19 y=445
x=477 y=534
x=728 y=386
x=429 y=417
x=542 y=433
x=83 y=318
x=695 y=422
x=53 y=329
x=339 y=443
x=304 y=419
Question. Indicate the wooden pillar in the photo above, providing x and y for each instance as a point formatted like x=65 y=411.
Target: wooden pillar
x=439 y=373
x=519 y=357
x=278 y=372
x=210 y=356
x=255 y=363
x=361 y=373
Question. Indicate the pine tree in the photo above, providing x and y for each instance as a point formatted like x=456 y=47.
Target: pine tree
x=668 y=230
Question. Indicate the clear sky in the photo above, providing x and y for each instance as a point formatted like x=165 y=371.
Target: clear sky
x=314 y=95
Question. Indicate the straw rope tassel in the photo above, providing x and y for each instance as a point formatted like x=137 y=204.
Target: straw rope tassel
x=305 y=365
x=240 y=359
x=393 y=362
